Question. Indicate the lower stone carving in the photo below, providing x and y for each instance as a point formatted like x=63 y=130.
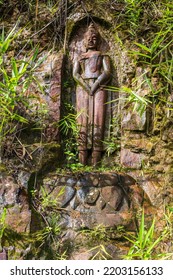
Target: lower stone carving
x=90 y=199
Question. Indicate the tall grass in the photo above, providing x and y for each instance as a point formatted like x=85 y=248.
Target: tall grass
x=2 y=226
x=15 y=78
x=145 y=242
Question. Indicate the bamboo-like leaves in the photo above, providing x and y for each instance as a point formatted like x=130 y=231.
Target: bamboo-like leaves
x=5 y=41
x=2 y=225
x=138 y=102
x=15 y=80
x=145 y=242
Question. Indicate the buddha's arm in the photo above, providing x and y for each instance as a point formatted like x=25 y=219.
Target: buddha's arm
x=104 y=77
x=77 y=77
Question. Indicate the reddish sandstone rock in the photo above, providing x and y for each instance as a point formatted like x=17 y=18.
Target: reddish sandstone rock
x=153 y=190
x=15 y=200
x=130 y=159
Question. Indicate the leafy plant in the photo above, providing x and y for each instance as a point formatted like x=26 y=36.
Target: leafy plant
x=68 y=124
x=2 y=226
x=15 y=78
x=100 y=253
x=145 y=242
x=68 y=127
x=111 y=143
x=47 y=240
x=133 y=10
x=96 y=239
x=8 y=84
x=156 y=53
x=97 y=234
x=53 y=6
x=153 y=55
x=132 y=97
x=48 y=201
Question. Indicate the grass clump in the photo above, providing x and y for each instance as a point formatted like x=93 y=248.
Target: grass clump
x=145 y=243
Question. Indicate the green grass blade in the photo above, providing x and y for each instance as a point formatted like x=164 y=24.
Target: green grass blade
x=141 y=230
x=143 y=47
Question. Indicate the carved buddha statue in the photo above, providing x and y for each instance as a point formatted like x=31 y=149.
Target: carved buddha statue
x=91 y=71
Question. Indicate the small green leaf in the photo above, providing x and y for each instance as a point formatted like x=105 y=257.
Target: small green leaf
x=143 y=47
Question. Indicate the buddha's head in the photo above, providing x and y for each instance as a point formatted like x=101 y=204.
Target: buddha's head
x=91 y=37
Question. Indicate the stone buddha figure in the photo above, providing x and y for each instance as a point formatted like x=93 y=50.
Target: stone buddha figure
x=91 y=71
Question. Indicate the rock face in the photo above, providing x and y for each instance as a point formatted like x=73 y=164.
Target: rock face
x=91 y=199
x=15 y=200
x=3 y=255
x=54 y=99
x=138 y=141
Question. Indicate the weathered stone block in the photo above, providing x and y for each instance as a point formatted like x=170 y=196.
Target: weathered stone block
x=139 y=145
x=67 y=196
x=15 y=199
x=112 y=195
x=18 y=218
x=3 y=255
x=108 y=179
x=133 y=121
x=153 y=190
x=130 y=159
x=92 y=195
